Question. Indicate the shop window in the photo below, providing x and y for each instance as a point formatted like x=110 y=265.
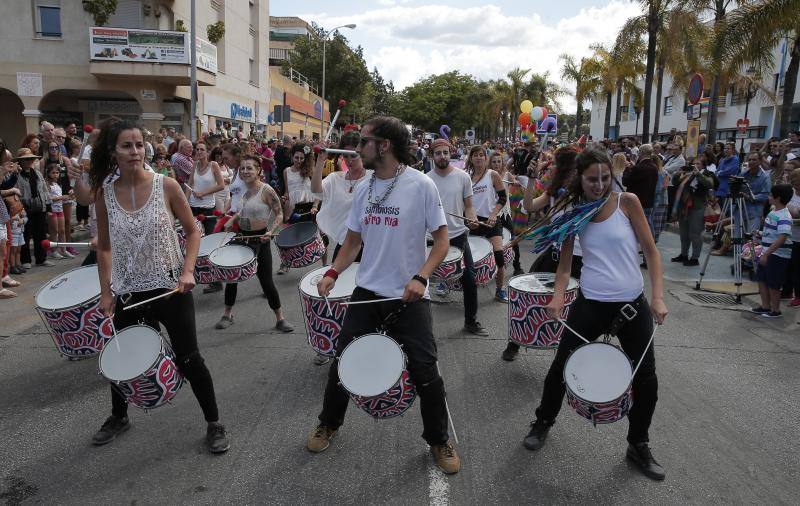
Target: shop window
x=48 y=18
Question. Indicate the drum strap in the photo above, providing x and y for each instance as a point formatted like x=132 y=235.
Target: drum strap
x=391 y=319
x=626 y=314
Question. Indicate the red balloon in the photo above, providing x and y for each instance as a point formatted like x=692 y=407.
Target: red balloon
x=525 y=118
x=88 y=128
x=342 y=103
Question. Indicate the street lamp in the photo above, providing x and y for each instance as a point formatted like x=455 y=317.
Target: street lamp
x=324 y=42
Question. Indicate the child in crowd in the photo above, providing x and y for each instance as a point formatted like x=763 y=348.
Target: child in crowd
x=777 y=243
x=17 y=240
x=56 y=217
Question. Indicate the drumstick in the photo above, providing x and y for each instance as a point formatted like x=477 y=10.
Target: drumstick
x=562 y=322
x=339 y=151
x=153 y=298
x=447 y=408
x=189 y=187
x=52 y=244
x=248 y=236
x=560 y=205
x=370 y=301
x=655 y=327
x=114 y=330
x=327 y=303
x=465 y=218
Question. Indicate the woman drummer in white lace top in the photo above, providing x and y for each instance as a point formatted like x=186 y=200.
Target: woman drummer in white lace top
x=138 y=253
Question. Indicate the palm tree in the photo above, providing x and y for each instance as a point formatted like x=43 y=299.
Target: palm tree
x=540 y=90
x=516 y=77
x=748 y=35
x=576 y=73
x=628 y=66
x=601 y=80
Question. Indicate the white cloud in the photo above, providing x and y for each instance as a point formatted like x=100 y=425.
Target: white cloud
x=407 y=43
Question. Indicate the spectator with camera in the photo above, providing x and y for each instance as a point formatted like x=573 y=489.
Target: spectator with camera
x=692 y=184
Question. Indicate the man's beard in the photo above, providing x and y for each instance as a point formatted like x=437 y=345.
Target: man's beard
x=441 y=164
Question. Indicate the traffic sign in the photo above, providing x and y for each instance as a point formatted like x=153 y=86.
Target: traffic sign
x=695 y=91
x=469 y=134
x=553 y=131
x=694 y=111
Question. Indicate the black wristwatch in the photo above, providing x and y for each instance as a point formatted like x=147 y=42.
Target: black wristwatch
x=421 y=279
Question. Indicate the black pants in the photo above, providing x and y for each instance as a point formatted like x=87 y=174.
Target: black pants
x=792 y=283
x=81 y=212
x=91 y=258
x=413 y=330
x=209 y=221
x=263 y=272
x=591 y=318
x=176 y=313
x=339 y=246
x=36 y=228
x=468 y=283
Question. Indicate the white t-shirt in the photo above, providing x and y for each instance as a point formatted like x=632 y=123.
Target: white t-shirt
x=453 y=189
x=238 y=188
x=337 y=199
x=394 y=232
x=484 y=196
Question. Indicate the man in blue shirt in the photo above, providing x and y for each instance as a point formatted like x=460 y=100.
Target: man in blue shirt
x=728 y=166
x=761 y=185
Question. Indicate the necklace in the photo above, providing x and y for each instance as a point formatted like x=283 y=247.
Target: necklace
x=352 y=181
x=382 y=199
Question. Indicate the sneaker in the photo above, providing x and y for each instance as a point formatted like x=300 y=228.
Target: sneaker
x=475 y=327
x=46 y=263
x=284 y=326
x=759 y=310
x=72 y=251
x=679 y=258
x=224 y=322
x=26 y=265
x=500 y=295
x=56 y=256
x=446 y=458
x=321 y=359
x=320 y=439
x=511 y=352
x=16 y=270
x=283 y=270
x=10 y=283
x=67 y=254
x=795 y=302
x=641 y=456
x=216 y=286
x=537 y=435
x=112 y=428
x=772 y=314
x=216 y=440
x=518 y=271
x=441 y=289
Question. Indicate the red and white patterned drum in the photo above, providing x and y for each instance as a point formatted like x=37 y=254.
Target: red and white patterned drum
x=141 y=365
x=204 y=271
x=372 y=369
x=69 y=307
x=483 y=259
x=234 y=263
x=182 y=235
x=452 y=267
x=508 y=253
x=528 y=296
x=322 y=327
x=300 y=245
x=598 y=377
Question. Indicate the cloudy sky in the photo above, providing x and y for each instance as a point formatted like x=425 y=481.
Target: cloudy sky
x=411 y=39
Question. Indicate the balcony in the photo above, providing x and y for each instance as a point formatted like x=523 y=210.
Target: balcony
x=153 y=55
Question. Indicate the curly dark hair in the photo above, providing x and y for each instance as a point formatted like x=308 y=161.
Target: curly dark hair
x=102 y=162
x=308 y=164
x=565 y=168
x=584 y=160
x=350 y=139
x=393 y=130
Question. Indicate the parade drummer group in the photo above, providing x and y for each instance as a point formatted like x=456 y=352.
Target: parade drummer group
x=381 y=212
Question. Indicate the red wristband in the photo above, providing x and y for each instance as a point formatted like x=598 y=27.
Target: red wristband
x=331 y=273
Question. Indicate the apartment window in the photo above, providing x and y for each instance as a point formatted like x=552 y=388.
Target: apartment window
x=667 y=106
x=48 y=18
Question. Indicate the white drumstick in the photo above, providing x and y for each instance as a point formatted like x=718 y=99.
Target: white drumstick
x=114 y=330
x=52 y=244
x=370 y=301
x=340 y=151
x=152 y=299
x=189 y=187
x=447 y=408
x=465 y=218
x=562 y=322
x=327 y=303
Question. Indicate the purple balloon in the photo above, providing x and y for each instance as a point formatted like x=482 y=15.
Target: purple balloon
x=548 y=124
x=444 y=131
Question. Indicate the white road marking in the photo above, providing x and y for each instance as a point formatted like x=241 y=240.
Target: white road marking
x=438 y=488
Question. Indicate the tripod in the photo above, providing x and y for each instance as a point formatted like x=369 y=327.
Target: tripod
x=739 y=219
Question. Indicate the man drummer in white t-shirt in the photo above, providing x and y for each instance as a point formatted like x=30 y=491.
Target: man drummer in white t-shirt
x=455 y=190
x=391 y=213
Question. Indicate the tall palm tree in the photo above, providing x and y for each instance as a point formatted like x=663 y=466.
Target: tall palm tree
x=540 y=90
x=516 y=76
x=748 y=35
x=628 y=67
x=576 y=73
x=601 y=80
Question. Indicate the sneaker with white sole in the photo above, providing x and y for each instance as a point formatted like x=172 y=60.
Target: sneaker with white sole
x=56 y=256
x=320 y=439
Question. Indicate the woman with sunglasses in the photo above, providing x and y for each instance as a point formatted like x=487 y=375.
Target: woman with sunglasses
x=336 y=190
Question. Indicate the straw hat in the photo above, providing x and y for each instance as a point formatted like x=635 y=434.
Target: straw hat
x=25 y=154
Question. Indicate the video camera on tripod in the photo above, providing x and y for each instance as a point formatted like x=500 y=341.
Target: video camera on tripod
x=738 y=187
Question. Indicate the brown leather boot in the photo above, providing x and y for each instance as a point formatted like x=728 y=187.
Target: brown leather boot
x=446 y=458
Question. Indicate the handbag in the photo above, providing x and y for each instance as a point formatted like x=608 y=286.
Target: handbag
x=14 y=204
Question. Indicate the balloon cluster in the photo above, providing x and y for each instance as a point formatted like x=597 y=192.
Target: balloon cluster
x=528 y=117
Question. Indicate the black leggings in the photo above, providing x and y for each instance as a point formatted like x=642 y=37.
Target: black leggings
x=176 y=313
x=414 y=331
x=591 y=318
x=263 y=272
x=468 y=283
x=35 y=229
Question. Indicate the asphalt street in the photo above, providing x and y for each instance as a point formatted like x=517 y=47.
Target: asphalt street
x=725 y=427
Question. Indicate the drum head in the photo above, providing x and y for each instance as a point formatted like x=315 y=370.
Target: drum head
x=297 y=234
x=231 y=256
x=69 y=289
x=139 y=347
x=597 y=372
x=370 y=365
x=539 y=282
x=211 y=242
x=345 y=283
x=480 y=247
x=453 y=254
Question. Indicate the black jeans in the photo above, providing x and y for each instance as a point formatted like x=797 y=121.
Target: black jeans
x=263 y=272
x=176 y=313
x=468 y=277
x=36 y=228
x=91 y=258
x=591 y=318
x=339 y=246
x=413 y=330
x=792 y=283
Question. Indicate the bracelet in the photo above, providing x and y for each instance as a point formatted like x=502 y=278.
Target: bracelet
x=422 y=280
x=331 y=273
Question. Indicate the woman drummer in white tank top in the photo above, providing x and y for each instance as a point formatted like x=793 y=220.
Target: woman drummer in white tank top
x=204 y=183
x=489 y=197
x=610 y=282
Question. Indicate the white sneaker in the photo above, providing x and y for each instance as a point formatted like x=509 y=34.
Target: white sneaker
x=26 y=265
x=67 y=254
x=46 y=263
x=56 y=256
